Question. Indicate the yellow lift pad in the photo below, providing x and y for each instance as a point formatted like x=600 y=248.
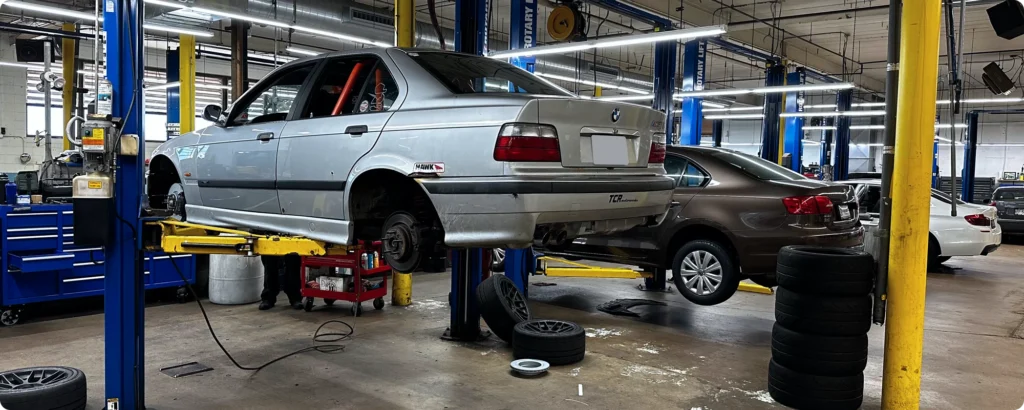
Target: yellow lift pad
x=172 y=236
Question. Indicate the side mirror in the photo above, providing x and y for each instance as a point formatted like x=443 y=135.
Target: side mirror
x=212 y=113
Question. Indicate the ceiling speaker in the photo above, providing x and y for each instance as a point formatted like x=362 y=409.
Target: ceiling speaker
x=996 y=80
x=1007 y=18
x=29 y=51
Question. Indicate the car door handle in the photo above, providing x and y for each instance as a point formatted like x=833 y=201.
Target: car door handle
x=357 y=130
x=265 y=136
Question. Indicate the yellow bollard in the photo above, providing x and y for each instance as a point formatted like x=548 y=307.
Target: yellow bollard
x=904 y=335
x=187 y=77
x=401 y=289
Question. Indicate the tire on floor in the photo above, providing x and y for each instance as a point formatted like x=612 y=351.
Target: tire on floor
x=557 y=342
x=825 y=271
x=501 y=305
x=43 y=388
x=804 y=391
x=820 y=355
x=823 y=315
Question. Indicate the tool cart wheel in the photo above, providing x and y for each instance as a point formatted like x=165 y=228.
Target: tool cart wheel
x=357 y=309
x=378 y=303
x=308 y=305
x=181 y=295
x=329 y=302
x=9 y=316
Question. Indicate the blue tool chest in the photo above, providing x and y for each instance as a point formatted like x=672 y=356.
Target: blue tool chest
x=39 y=260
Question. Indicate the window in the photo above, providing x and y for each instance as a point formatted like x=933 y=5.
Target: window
x=1009 y=195
x=372 y=88
x=693 y=177
x=466 y=74
x=674 y=167
x=757 y=167
x=871 y=200
x=944 y=197
x=274 y=100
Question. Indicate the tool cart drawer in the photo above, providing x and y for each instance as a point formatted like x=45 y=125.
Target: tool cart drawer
x=40 y=263
x=94 y=254
x=17 y=220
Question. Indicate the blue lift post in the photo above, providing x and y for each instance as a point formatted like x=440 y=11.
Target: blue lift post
x=173 y=95
x=519 y=263
x=665 y=86
x=826 y=147
x=775 y=75
x=124 y=300
x=717 y=129
x=970 y=157
x=793 y=133
x=841 y=168
x=692 y=114
x=468 y=265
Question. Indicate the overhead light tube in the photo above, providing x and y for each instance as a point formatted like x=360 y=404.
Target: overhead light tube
x=673 y=35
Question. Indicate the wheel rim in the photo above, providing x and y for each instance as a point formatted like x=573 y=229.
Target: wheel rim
x=550 y=326
x=32 y=378
x=499 y=255
x=514 y=299
x=701 y=273
x=176 y=201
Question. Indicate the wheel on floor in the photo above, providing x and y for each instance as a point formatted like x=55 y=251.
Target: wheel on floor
x=378 y=303
x=308 y=305
x=51 y=387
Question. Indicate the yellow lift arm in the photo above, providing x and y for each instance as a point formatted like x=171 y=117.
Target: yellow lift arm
x=579 y=270
x=172 y=236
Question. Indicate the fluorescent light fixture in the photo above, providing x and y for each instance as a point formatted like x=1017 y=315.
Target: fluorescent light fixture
x=50 y=10
x=740 y=144
x=646 y=97
x=213 y=86
x=733 y=109
x=870 y=104
x=833 y=106
x=673 y=35
x=19 y=65
x=803 y=87
x=812 y=142
x=303 y=51
x=590 y=83
x=734 y=117
x=818 y=128
x=711 y=104
x=873 y=144
x=867 y=127
x=158 y=27
x=711 y=93
x=947 y=126
x=265 y=22
x=832 y=114
x=175 y=84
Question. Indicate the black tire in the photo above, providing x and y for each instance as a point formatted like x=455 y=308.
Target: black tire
x=555 y=341
x=497 y=263
x=308 y=305
x=825 y=271
x=501 y=305
x=764 y=280
x=823 y=315
x=66 y=389
x=819 y=355
x=730 y=274
x=804 y=391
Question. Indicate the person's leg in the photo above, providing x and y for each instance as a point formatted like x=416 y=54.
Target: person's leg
x=271 y=285
x=291 y=285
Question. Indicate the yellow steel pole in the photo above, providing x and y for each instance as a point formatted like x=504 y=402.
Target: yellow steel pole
x=405 y=23
x=915 y=125
x=187 y=76
x=67 y=59
x=405 y=36
x=598 y=91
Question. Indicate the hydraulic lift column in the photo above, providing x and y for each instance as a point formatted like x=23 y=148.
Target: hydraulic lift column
x=665 y=86
x=793 y=133
x=694 y=58
x=775 y=75
x=970 y=157
x=405 y=36
x=841 y=167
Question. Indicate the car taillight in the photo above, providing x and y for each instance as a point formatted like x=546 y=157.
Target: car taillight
x=657 y=153
x=808 y=205
x=978 y=220
x=993 y=203
x=527 y=143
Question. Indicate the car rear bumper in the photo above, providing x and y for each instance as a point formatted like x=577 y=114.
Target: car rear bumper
x=506 y=211
x=759 y=254
x=969 y=241
x=1012 y=226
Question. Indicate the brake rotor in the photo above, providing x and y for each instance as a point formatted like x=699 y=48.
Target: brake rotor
x=401 y=241
x=175 y=201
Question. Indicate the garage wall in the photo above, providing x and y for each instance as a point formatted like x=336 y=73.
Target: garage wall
x=12 y=113
x=992 y=160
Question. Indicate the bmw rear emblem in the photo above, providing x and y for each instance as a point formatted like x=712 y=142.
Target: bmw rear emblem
x=615 y=115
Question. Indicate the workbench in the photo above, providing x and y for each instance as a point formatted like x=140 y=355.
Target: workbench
x=39 y=261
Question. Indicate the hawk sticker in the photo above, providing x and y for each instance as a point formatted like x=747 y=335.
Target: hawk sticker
x=428 y=167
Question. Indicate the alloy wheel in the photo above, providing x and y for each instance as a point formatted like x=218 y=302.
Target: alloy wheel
x=514 y=299
x=701 y=272
x=550 y=326
x=31 y=378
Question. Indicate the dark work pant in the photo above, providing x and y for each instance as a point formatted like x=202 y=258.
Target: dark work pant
x=272 y=269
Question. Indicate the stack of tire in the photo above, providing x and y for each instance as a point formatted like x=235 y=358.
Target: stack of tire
x=504 y=308
x=822 y=316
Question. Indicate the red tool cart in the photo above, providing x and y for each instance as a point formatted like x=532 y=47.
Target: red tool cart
x=326 y=277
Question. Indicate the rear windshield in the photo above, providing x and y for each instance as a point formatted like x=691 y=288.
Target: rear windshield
x=467 y=74
x=758 y=167
x=1010 y=195
x=944 y=197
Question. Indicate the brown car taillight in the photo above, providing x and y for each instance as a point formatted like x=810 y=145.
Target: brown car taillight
x=808 y=205
x=978 y=220
x=527 y=143
x=657 y=153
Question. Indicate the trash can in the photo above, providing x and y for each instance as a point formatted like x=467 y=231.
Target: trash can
x=235 y=280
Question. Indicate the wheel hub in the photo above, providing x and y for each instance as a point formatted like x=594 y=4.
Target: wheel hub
x=398 y=242
x=9 y=317
x=175 y=200
x=31 y=378
x=701 y=272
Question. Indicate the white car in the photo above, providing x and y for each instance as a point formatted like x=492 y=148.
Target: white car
x=974 y=231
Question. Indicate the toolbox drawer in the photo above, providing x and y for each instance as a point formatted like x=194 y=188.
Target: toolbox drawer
x=41 y=262
x=94 y=254
x=32 y=243
x=165 y=272
x=17 y=220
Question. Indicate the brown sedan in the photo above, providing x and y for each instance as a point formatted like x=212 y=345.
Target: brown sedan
x=735 y=212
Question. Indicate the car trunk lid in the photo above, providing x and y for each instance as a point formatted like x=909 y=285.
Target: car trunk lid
x=845 y=210
x=601 y=134
x=1010 y=209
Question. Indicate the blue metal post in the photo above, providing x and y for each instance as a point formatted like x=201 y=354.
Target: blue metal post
x=471 y=19
x=970 y=157
x=665 y=85
x=793 y=134
x=519 y=265
x=935 y=165
x=826 y=146
x=775 y=75
x=716 y=132
x=173 y=93
x=123 y=295
x=841 y=169
x=694 y=58
x=523 y=33
x=467 y=273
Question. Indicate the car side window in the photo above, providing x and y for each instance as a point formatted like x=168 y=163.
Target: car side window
x=871 y=201
x=693 y=177
x=274 y=99
x=352 y=85
x=674 y=167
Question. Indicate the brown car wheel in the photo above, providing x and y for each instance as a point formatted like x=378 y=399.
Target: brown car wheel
x=705 y=272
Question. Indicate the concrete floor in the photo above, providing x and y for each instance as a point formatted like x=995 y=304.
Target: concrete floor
x=677 y=356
